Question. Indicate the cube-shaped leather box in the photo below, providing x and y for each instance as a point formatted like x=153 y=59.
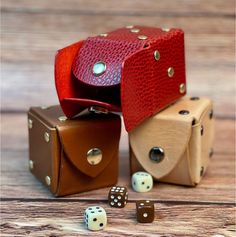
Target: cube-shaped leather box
x=175 y=145
x=72 y=156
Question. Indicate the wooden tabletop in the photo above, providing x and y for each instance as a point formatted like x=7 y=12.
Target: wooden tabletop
x=31 y=33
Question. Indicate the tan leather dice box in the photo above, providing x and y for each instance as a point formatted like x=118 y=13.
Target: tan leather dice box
x=72 y=156
x=175 y=145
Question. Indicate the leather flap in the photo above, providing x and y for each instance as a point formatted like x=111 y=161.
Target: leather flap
x=78 y=137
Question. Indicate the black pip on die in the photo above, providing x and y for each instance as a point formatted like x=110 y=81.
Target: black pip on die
x=95 y=218
x=145 y=211
x=118 y=196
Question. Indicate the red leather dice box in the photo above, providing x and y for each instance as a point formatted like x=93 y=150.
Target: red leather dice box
x=135 y=70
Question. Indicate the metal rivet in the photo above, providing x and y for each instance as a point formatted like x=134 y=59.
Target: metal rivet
x=202 y=171
x=211 y=114
x=157 y=55
x=31 y=165
x=45 y=107
x=194 y=98
x=103 y=35
x=202 y=130
x=183 y=112
x=165 y=29
x=134 y=30
x=46 y=137
x=94 y=156
x=156 y=154
x=30 y=123
x=182 y=88
x=170 y=71
x=62 y=118
x=48 y=180
x=145 y=214
x=129 y=27
x=142 y=37
x=211 y=152
x=99 y=68
x=98 y=110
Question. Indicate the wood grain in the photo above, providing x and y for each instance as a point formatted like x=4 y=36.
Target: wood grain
x=65 y=219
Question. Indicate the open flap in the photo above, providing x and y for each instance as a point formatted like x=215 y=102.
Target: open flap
x=80 y=136
x=172 y=135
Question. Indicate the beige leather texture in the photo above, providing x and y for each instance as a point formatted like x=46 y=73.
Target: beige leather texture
x=63 y=158
x=186 y=139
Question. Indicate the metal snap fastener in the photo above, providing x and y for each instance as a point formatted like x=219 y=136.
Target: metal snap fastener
x=183 y=112
x=142 y=37
x=165 y=29
x=99 y=68
x=211 y=114
x=129 y=27
x=30 y=123
x=202 y=130
x=194 y=98
x=157 y=55
x=103 y=35
x=182 y=88
x=170 y=71
x=134 y=30
x=94 y=156
x=46 y=137
x=45 y=107
x=48 y=180
x=31 y=165
x=202 y=171
x=156 y=154
x=62 y=118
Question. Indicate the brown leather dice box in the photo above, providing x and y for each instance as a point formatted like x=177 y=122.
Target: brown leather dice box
x=175 y=145
x=72 y=156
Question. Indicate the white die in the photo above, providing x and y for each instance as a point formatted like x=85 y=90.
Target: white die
x=142 y=182
x=95 y=218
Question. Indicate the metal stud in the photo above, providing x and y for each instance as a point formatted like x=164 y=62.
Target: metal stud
x=194 y=98
x=46 y=137
x=94 y=156
x=30 y=123
x=31 y=165
x=99 y=68
x=170 y=71
x=211 y=114
x=134 y=30
x=165 y=29
x=211 y=152
x=45 y=107
x=156 y=154
x=182 y=88
x=129 y=27
x=142 y=37
x=103 y=35
x=62 y=118
x=183 y=112
x=157 y=55
x=48 y=180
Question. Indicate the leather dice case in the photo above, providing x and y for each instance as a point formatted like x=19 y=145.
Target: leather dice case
x=134 y=82
x=62 y=155
x=186 y=139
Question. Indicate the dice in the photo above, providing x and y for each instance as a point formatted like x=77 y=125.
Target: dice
x=118 y=196
x=142 y=182
x=145 y=211
x=95 y=218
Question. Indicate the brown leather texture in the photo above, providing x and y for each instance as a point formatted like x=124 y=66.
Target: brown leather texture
x=186 y=138
x=64 y=157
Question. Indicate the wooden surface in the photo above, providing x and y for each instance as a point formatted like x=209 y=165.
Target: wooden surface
x=31 y=32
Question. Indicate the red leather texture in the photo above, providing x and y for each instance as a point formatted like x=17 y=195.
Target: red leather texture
x=134 y=82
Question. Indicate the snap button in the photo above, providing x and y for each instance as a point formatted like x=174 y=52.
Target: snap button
x=170 y=71
x=30 y=123
x=142 y=37
x=156 y=154
x=183 y=112
x=94 y=156
x=99 y=68
x=182 y=88
x=48 y=180
x=31 y=165
x=157 y=55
